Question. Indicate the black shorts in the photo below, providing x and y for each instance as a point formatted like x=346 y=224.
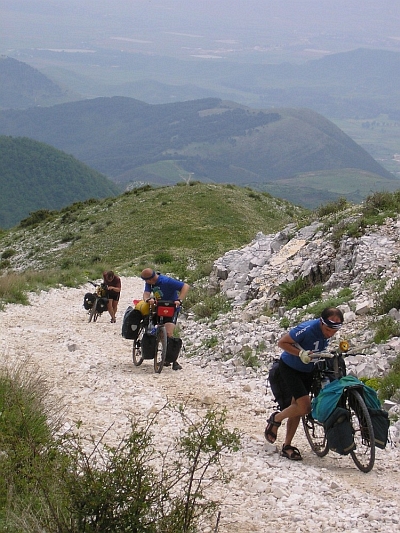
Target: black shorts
x=298 y=383
x=113 y=295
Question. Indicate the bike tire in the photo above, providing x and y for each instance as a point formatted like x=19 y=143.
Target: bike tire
x=137 y=356
x=92 y=312
x=161 y=349
x=316 y=436
x=364 y=453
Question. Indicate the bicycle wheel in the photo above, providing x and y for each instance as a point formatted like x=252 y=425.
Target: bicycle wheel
x=161 y=349
x=364 y=453
x=316 y=436
x=93 y=312
x=137 y=355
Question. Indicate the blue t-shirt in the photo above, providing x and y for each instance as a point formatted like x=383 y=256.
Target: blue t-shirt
x=165 y=288
x=308 y=335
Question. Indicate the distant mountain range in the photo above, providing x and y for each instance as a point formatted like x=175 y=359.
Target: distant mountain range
x=211 y=140
x=35 y=176
x=361 y=83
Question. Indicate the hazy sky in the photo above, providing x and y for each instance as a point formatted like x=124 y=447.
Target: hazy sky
x=340 y=24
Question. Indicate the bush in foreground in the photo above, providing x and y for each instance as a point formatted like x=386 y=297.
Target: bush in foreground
x=69 y=484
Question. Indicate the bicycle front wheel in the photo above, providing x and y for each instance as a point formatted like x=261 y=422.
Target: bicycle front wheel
x=316 y=436
x=161 y=349
x=363 y=454
x=93 y=312
x=137 y=355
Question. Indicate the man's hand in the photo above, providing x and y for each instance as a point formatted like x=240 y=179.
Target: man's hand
x=304 y=356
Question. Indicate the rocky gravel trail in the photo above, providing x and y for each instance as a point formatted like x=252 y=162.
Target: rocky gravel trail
x=89 y=368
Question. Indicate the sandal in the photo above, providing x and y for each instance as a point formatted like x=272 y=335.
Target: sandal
x=269 y=434
x=295 y=454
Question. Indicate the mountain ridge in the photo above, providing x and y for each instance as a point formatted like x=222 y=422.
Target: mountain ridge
x=209 y=139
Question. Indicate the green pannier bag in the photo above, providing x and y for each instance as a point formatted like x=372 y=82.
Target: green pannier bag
x=339 y=432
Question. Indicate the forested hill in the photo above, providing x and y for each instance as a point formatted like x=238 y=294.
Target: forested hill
x=213 y=140
x=23 y=86
x=36 y=176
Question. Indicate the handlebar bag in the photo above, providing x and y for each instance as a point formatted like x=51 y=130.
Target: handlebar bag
x=165 y=308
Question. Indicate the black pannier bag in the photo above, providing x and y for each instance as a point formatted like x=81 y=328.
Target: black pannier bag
x=88 y=300
x=130 y=323
x=380 y=423
x=339 y=432
x=174 y=345
x=101 y=305
x=148 y=345
x=278 y=386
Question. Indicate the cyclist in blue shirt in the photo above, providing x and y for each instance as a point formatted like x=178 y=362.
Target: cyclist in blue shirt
x=165 y=288
x=296 y=369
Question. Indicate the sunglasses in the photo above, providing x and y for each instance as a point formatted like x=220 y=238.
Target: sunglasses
x=331 y=325
x=149 y=277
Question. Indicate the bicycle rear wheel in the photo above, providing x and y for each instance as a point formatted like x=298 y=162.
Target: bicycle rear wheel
x=364 y=453
x=137 y=355
x=161 y=349
x=316 y=436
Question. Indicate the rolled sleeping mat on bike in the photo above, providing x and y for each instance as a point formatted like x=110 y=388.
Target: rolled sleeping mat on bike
x=143 y=307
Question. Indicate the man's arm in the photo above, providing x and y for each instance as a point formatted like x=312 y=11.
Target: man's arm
x=183 y=292
x=146 y=295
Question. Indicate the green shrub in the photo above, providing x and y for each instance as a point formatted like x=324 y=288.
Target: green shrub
x=36 y=217
x=72 y=484
x=374 y=383
x=389 y=299
x=211 y=342
x=332 y=207
x=386 y=327
x=284 y=322
x=249 y=358
x=211 y=306
x=8 y=252
x=163 y=257
x=389 y=385
x=299 y=292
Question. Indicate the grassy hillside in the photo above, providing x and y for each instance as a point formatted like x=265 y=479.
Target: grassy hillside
x=214 y=141
x=179 y=229
x=36 y=176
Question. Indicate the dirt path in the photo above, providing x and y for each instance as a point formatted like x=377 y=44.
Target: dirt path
x=89 y=368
